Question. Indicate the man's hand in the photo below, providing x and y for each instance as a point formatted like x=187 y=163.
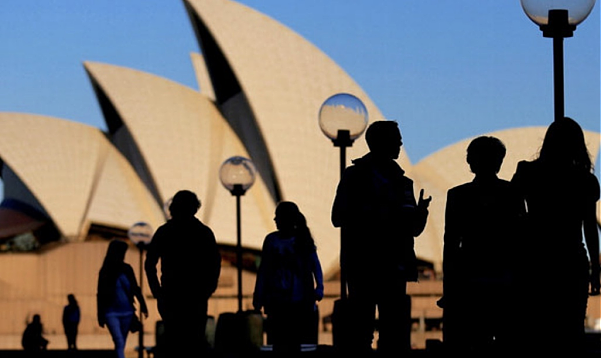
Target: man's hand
x=595 y=281
x=423 y=203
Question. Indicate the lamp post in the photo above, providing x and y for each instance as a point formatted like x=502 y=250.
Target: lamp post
x=343 y=118
x=141 y=234
x=237 y=174
x=558 y=19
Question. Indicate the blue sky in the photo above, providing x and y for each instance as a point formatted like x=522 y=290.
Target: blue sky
x=446 y=70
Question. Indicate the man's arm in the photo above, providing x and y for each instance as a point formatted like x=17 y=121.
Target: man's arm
x=150 y=265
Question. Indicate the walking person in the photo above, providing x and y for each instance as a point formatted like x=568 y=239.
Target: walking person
x=560 y=193
x=289 y=282
x=190 y=267
x=376 y=209
x=117 y=289
x=482 y=226
x=71 y=317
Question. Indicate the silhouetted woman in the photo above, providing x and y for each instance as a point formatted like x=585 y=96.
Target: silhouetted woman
x=289 y=281
x=117 y=287
x=71 y=317
x=33 y=339
x=560 y=193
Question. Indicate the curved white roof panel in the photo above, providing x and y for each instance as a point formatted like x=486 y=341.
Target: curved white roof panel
x=183 y=140
x=66 y=166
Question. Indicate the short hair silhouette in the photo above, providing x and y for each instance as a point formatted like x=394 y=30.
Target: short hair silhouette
x=485 y=155
x=378 y=133
x=184 y=203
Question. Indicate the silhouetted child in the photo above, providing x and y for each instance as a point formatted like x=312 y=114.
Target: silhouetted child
x=33 y=339
x=481 y=229
x=71 y=317
x=289 y=281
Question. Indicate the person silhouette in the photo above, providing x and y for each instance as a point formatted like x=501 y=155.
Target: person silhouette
x=117 y=289
x=289 y=281
x=190 y=267
x=33 y=339
x=71 y=317
x=376 y=209
x=482 y=220
x=560 y=193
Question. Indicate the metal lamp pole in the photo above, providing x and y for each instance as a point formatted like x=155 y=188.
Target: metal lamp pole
x=238 y=191
x=343 y=140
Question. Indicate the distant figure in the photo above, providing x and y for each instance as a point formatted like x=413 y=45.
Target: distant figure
x=289 y=281
x=33 y=339
x=376 y=209
x=190 y=268
x=117 y=288
x=560 y=193
x=71 y=317
x=482 y=224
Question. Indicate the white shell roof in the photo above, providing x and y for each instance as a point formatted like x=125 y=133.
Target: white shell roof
x=74 y=173
x=184 y=140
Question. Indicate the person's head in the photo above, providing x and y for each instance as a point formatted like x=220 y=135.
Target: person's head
x=564 y=144
x=116 y=252
x=291 y=221
x=36 y=319
x=288 y=216
x=71 y=299
x=384 y=139
x=485 y=155
x=184 y=203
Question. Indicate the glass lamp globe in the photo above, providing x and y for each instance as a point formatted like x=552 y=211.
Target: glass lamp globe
x=343 y=111
x=140 y=233
x=237 y=173
x=538 y=10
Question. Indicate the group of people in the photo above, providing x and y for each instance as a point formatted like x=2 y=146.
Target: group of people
x=33 y=336
x=512 y=249
x=521 y=256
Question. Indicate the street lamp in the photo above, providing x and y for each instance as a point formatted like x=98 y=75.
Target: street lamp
x=141 y=234
x=558 y=19
x=343 y=118
x=237 y=174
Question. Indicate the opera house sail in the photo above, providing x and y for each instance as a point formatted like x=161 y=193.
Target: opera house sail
x=70 y=187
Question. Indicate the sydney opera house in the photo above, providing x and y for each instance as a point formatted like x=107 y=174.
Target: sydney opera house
x=69 y=188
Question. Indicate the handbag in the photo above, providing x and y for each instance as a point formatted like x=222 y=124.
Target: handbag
x=136 y=325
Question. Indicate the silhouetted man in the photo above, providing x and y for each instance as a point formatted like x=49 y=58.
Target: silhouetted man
x=190 y=268
x=377 y=211
x=481 y=239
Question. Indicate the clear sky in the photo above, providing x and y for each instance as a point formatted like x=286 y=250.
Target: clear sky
x=446 y=70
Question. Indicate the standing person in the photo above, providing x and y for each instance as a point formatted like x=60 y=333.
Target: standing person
x=117 y=288
x=560 y=193
x=33 y=337
x=190 y=268
x=482 y=223
x=71 y=317
x=376 y=209
x=289 y=281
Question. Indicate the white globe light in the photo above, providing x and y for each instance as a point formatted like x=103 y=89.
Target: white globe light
x=538 y=10
x=237 y=171
x=140 y=232
x=343 y=111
